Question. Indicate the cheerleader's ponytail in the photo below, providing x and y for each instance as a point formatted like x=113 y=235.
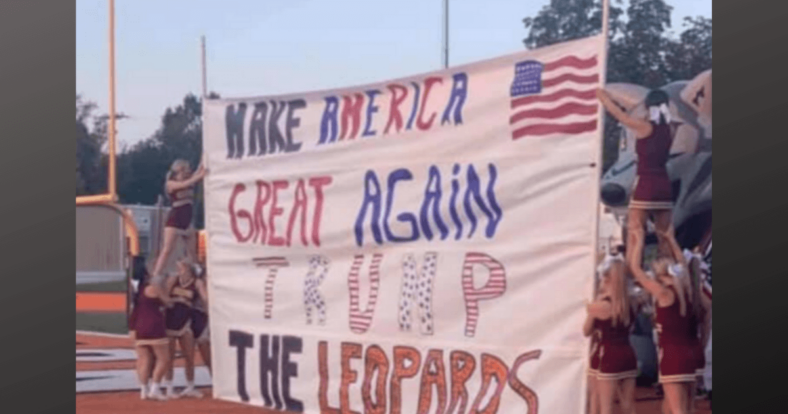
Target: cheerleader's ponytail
x=657 y=105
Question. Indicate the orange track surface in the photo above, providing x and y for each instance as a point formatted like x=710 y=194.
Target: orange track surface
x=101 y=302
x=130 y=403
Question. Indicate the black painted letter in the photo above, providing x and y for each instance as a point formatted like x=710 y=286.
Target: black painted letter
x=290 y=345
x=269 y=365
x=293 y=122
x=234 y=127
x=241 y=340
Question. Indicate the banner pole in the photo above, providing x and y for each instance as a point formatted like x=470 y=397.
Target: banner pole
x=596 y=187
x=601 y=140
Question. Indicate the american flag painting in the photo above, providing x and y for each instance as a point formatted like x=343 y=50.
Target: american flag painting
x=557 y=97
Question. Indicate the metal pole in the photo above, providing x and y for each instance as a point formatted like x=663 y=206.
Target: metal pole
x=445 y=34
x=111 y=182
x=204 y=75
x=597 y=178
x=601 y=142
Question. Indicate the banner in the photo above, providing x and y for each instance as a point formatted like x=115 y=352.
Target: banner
x=415 y=246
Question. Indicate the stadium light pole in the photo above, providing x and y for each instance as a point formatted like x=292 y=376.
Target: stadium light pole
x=445 y=34
x=204 y=73
x=111 y=182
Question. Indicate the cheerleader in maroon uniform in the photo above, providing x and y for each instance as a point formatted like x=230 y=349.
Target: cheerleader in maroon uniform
x=700 y=313
x=183 y=290
x=589 y=330
x=653 y=192
x=199 y=321
x=613 y=318
x=147 y=328
x=179 y=187
x=677 y=327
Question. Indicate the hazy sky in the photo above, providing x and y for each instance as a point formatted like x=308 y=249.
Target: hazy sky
x=262 y=47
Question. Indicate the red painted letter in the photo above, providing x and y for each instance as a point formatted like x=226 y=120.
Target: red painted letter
x=298 y=206
x=318 y=183
x=275 y=211
x=427 y=86
x=398 y=95
x=235 y=215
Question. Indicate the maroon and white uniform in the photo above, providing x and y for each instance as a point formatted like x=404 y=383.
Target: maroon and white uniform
x=705 y=290
x=146 y=321
x=593 y=365
x=700 y=365
x=679 y=346
x=617 y=360
x=179 y=316
x=199 y=320
x=180 y=215
x=653 y=190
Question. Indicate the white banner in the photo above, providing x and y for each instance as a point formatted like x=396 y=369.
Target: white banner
x=415 y=246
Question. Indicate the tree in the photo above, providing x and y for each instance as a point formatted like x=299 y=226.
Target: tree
x=564 y=20
x=691 y=55
x=89 y=155
x=92 y=159
x=640 y=50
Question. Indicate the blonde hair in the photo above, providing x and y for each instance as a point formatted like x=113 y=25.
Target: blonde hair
x=177 y=166
x=660 y=267
x=619 y=295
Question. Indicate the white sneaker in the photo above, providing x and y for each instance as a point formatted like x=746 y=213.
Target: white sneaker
x=191 y=393
x=156 y=394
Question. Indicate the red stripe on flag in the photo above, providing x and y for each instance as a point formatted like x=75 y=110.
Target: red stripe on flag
x=572 y=62
x=571 y=108
x=570 y=77
x=563 y=93
x=546 y=129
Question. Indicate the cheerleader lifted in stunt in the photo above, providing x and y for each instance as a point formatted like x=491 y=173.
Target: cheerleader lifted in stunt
x=653 y=192
x=179 y=187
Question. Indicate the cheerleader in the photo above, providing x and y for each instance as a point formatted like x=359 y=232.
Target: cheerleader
x=701 y=312
x=199 y=320
x=183 y=289
x=613 y=317
x=179 y=187
x=589 y=330
x=147 y=328
x=677 y=326
x=653 y=192
x=706 y=341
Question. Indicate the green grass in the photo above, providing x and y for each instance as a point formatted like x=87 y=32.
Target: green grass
x=102 y=322
x=119 y=286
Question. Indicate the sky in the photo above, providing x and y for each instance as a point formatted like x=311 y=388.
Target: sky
x=267 y=47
